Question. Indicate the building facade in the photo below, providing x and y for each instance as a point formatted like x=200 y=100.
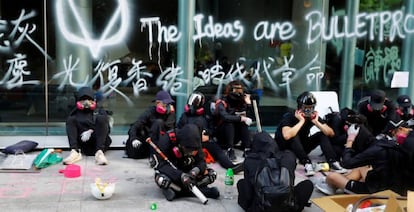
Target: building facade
x=129 y=49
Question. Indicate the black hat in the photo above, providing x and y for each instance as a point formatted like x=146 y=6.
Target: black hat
x=404 y=101
x=377 y=99
x=163 y=96
x=85 y=93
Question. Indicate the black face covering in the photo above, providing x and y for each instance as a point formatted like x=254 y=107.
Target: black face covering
x=236 y=96
x=406 y=112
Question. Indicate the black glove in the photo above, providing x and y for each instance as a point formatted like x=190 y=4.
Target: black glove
x=212 y=175
x=187 y=179
x=207 y=179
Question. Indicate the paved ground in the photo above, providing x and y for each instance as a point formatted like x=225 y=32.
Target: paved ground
x=49 y=190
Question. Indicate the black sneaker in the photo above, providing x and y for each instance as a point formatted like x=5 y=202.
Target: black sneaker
x=237 y=168
x=212 y=192
x=168 y=193
x=231 y=154
x=336 y=167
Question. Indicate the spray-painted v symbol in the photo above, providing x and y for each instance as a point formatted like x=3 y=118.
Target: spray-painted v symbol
x=121 y=14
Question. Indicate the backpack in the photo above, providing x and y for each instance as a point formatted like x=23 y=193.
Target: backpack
x=274 y=187
x=397 y=159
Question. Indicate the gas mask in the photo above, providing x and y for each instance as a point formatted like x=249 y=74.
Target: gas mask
x=400 y=138
x=308 y=111
x=86 y=104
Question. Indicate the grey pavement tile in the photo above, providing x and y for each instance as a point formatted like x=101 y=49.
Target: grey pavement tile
x=135 y=190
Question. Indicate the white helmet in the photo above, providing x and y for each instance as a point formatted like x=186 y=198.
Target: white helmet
x=101 y=190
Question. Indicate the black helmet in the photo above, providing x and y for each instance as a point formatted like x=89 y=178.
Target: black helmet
x=307 y=99
x=196 y=100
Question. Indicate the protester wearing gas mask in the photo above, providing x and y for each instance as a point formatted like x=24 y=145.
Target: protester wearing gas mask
x=194 y=114
x=159 y=117
x=87 y=128
x=378 y=110
x=180 y=167
x=405 y=108
x=378 y=163
x=231 y=118
x=294 y=133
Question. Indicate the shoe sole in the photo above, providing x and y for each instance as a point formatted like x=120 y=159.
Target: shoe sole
x=72 y=162
x=339 y=171
x=309 y=174
x=101 y=163
x=322 y=190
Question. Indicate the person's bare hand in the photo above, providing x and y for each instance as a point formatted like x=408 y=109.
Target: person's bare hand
x=247 y=99
x=299 y=115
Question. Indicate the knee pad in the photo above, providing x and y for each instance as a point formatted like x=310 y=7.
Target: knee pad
x=162 y=180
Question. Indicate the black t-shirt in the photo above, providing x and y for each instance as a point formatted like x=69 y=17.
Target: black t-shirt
x=290 y=120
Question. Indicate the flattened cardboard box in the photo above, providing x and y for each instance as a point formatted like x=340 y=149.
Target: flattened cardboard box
x=341 y=202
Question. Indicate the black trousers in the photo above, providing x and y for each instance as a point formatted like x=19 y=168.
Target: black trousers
x=229 y=133
x=99 y=139
x=302 y=148
x=218 y=154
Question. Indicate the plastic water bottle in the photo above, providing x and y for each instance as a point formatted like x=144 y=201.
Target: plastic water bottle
x=228 y=184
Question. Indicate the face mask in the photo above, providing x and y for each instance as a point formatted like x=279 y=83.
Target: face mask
x=86 y=104
x=400 y=137
x=237 y=96
x=308 y=111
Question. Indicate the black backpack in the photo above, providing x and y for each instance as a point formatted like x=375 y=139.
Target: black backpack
x=274 y=187
x=398 y=161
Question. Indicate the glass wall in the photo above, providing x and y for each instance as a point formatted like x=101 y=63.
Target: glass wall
x=127 y=51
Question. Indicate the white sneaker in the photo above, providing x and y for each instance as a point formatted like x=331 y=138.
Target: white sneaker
x=100 y=158
x=309 y=169
x=323 y=187
x=73 y=157
x=336 y=167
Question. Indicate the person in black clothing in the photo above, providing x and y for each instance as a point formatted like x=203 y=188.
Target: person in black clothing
x=404 y=108
x=194 y=114
x=232 y=121
x=378 y=110
x=293 y=132
x=157 y=118
x=183 y=164
x=87 y=128
x=339 y=122
x=369 y=159
x=263 y=146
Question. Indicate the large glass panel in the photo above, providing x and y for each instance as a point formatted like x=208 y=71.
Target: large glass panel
x=22 y=66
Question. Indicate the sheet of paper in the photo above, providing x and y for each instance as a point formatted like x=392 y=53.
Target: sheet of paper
x=400 y=79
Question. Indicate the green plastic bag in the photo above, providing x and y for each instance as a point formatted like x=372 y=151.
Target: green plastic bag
x=46 y=158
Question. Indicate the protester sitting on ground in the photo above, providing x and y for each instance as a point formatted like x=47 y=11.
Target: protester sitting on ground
x=373 y=166
x=404 y=107
x=339 y=122
x=378 y=110
x=157 y=118
x=231 y=118
x=180 y=164
x=293 y=133
x=194 y=114
x=87 y=128
x=263 y=147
